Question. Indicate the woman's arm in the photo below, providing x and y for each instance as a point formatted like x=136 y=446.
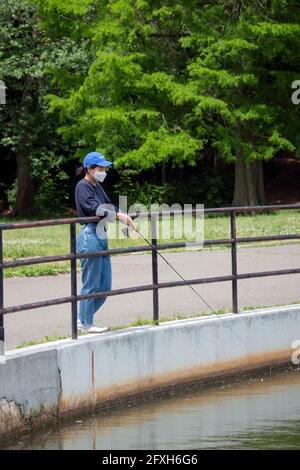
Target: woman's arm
x=125 y=219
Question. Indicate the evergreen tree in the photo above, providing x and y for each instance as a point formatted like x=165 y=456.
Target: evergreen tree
x=27 y=134
x=171 y=79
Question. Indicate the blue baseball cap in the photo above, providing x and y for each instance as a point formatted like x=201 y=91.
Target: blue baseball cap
x=95 y=158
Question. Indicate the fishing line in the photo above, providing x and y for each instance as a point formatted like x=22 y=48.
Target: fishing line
x=126 y=233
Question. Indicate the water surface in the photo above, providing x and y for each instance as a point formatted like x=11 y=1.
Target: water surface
x=260 y=413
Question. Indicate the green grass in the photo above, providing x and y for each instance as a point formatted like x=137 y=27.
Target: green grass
x=143 y=322
x=46 y=339
x=54 y=240
x=139 y=322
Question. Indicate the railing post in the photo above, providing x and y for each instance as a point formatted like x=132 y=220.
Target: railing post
x=73 y=279
x=154 y=269
x=234 y=262
x=2 y=344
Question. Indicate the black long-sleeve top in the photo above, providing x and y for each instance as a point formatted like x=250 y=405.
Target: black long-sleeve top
x=93 y=201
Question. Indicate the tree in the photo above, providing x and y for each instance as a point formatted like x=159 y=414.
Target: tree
x=27 y=132
x=171 y=79
x=20 y=70
x=244 y=74
x=124 y=106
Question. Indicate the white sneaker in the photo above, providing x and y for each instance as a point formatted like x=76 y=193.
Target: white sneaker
x=80 y=327
x=94 y=329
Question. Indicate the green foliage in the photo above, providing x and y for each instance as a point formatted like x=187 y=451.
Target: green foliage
x=51 y=193
x=46 y=339
x=27 y=132
x=201 y=186
x=147 y=83
x=170 y=79
x=140 y=193
x=124 y=107
x=11 y=195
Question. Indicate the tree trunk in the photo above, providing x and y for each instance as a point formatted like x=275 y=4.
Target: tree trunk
x=163 y=178
x=249 y=183
x=220 y=166
x=25 y=190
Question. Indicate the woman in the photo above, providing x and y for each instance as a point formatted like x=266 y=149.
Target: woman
x=91 y=200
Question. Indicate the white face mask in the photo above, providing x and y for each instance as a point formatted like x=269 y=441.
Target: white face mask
x=99 y=176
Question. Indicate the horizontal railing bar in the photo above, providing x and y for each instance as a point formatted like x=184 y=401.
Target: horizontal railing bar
x=267 y=238
x=49 y=303
x=126 y=290
x=164 y=246
x=253 y=208
x=86 y=220
x=146 y=287
x=51 y=259
x=160 y=285
x=113 y=251
x=217 y=210
x=44 y=303
x=268 y=273
x=46 y=223
x=32 y=261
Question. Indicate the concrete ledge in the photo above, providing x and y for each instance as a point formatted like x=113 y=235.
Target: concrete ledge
x=42 y=383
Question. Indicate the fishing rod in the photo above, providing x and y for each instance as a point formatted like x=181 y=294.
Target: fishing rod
x=126 y=233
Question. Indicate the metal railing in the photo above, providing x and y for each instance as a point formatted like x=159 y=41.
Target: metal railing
x=156 y=285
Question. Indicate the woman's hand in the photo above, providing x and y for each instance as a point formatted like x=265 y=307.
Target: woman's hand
x=125 y=219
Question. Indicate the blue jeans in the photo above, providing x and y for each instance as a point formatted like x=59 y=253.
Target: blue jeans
x=96 y=271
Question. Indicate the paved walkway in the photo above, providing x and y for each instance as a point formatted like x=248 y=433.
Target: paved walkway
x=135 y=269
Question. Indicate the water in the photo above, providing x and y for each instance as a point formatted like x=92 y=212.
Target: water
x=260 y=413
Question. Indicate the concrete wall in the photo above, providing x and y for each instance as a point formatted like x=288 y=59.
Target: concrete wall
x=41 y=383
